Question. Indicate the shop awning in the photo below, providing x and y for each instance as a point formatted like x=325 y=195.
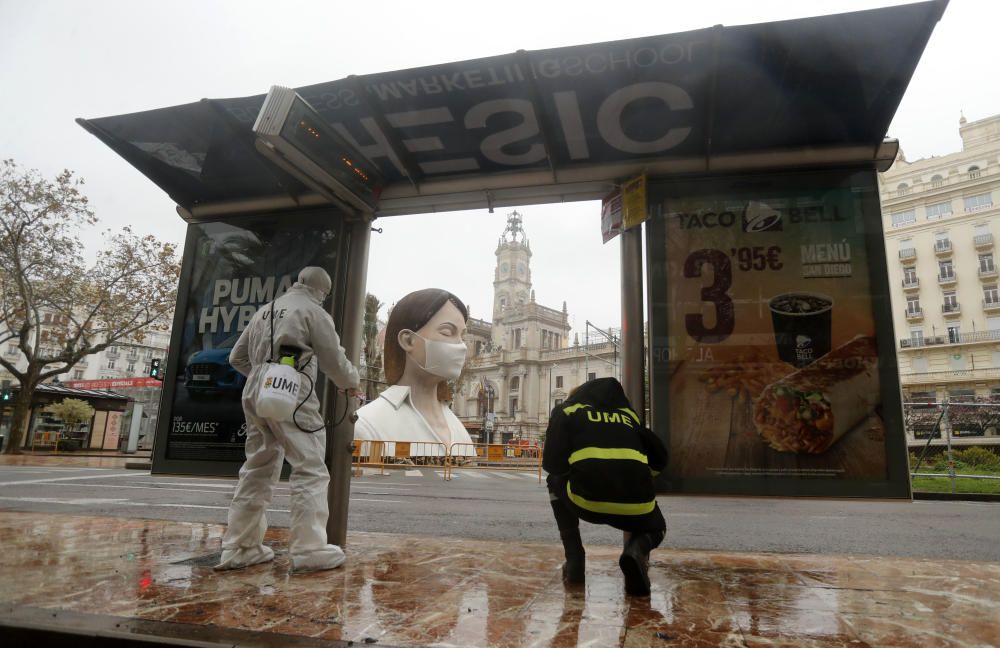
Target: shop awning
x=563 y=124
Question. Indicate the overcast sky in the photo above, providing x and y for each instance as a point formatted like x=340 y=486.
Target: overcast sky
x=68 y=59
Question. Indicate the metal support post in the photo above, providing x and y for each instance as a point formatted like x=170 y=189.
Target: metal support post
x=340 y=437
x=632 y=317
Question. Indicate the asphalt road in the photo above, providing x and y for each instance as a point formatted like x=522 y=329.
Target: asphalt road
x=498 y=505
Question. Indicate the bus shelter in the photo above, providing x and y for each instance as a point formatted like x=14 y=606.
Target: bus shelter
x=758 y=146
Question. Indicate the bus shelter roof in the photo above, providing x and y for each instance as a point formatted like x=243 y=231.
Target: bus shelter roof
x=563 y=124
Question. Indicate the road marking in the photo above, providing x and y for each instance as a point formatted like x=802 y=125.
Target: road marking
x=505 y=475
x=828 y=517
x=156 y=488
x=82 y=501
x=414 y=473
x=59 y=479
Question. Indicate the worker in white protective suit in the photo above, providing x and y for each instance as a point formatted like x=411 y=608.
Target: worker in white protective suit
x=299 y=321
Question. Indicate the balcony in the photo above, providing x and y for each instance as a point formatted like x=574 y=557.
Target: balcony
x=951 y=338
x=988 y=273
x=907 y=254
x=914 y=314
x=982 y=241
x=957 y=375
x=942 y=248
x=947 y=279
x=911 y=284
x=951 y=310
x=991 y=305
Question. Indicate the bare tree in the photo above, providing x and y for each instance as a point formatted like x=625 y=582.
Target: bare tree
x=55 y=308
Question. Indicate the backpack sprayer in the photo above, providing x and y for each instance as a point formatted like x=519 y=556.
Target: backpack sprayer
x=277 y=398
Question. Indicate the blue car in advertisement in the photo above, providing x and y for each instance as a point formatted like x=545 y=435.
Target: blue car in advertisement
x=208 y=373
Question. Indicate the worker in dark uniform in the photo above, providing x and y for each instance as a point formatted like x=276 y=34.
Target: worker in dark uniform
x=601 y=462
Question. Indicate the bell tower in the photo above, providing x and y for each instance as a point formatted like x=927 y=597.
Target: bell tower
x=512 y=276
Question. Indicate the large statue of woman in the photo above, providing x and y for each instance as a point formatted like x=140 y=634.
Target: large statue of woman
x=423 y=351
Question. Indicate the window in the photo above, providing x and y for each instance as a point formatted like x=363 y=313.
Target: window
x=996 y=363
x=954 y=334
x=78 y=374
x=513 y=405
x=12 y=349
x=910 y=275
x=974 y=172
x=515 y=384
x=913 y=304
x=920 y=365
x=517 y=338
x=916 y=336
x=111 y=364
x=986 y=263
x=591 y=376
x=958 y=362
x=904 y=218
x=559 y=382
x=903 y=188
x=133 y=352
x=939 y=210
x=559 y=401
x=950 y=301
x=990 y=295
x=979 y=201
x=145 y=368
x=993 y=324
x=946 y=270
x=131 y=367
x=47 y=319
x=982 y=228
x=941 y=241
x=937 y=180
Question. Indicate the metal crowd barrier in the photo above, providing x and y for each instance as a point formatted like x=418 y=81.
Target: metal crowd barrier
x=494 y=456
x=463 y=456
x=398 y=454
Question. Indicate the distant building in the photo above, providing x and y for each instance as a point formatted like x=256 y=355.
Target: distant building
x=941 y=221
x=522 y=364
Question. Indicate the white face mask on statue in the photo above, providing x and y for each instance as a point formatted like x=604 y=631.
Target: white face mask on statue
x=444 y=359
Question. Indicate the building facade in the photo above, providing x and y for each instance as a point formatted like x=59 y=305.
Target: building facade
x=942 y=221
x=522 y=363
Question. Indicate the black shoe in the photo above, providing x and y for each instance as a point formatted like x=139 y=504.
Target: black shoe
x=573 y=571
x=634 y=563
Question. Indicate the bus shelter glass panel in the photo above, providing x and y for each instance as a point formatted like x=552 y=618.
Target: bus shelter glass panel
x=231 y=268
x=773 y=368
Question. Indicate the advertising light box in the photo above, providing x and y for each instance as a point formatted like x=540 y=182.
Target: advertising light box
x=772 y=360
x=230 y=270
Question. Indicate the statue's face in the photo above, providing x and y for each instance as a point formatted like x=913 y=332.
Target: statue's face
x=447 y=326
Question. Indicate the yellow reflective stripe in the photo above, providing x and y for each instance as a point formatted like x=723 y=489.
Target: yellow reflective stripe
x=572 y=408
x=607 y=453
x=612 y=508
x=630 y=413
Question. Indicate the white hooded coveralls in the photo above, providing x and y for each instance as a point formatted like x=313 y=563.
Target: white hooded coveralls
x=299 y=320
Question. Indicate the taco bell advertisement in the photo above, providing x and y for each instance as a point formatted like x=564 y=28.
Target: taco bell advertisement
x=765 y=338
x=235 y=270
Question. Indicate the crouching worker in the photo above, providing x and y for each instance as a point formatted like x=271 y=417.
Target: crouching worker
x=601 y=462
x=296 y=329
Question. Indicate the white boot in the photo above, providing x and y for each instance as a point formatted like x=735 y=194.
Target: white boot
x=241 y=557
x=330 y=557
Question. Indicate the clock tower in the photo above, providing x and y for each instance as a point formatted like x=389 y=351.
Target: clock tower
x=512 y=277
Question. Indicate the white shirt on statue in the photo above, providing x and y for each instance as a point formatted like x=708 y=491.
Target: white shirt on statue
x=392 y=417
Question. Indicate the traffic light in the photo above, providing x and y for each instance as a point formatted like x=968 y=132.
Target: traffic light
x=6 y=396
x=154 y=369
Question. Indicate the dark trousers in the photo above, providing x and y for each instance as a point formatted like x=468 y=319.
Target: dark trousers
x=568 y=516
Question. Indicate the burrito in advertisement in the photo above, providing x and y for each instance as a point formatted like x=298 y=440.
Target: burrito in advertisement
x=809 y=410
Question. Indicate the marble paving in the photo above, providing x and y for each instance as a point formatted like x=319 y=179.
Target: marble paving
x=400 y=590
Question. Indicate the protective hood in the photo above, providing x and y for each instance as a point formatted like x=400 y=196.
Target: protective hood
x=315 y=282
x=602 y=393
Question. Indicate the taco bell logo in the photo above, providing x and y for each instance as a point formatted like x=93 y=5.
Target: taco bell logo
x=803 y=348
x=760 y=217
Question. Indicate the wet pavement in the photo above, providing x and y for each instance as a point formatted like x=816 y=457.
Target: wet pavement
x=110 y=460
x=155 y=576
